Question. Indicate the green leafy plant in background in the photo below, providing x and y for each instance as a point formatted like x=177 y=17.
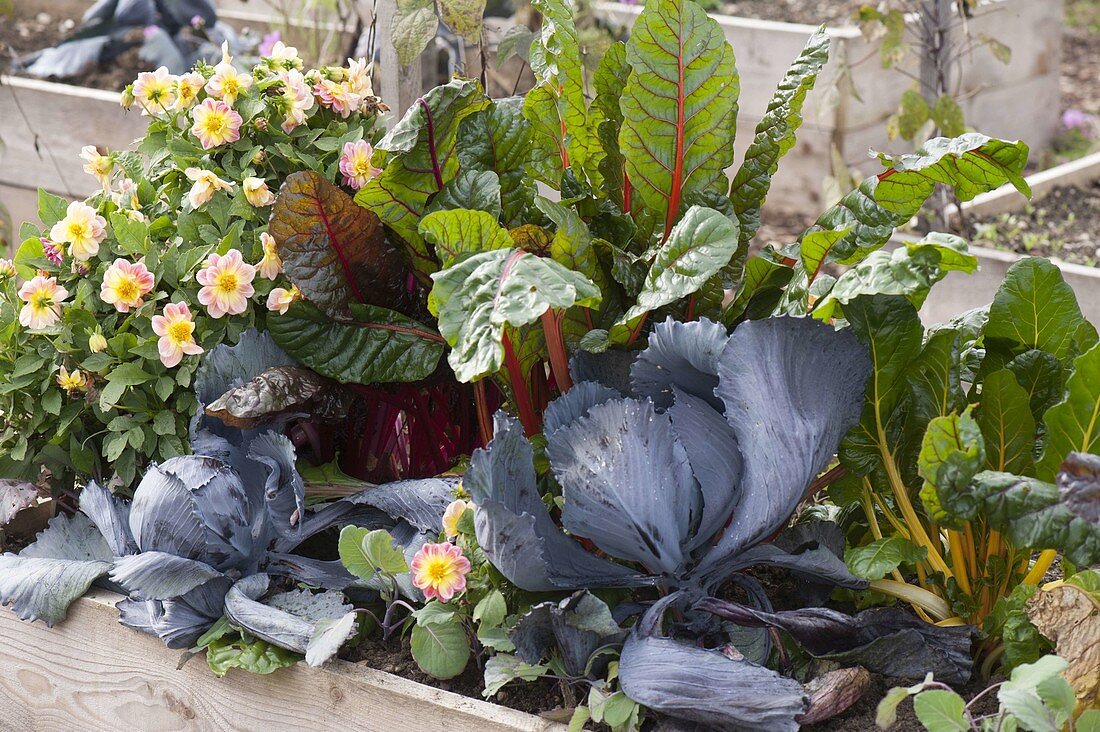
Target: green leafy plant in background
x=973 y=452
x=938 y=34
x=1035 y=697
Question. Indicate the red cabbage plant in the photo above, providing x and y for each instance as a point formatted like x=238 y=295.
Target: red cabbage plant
x=679 y=475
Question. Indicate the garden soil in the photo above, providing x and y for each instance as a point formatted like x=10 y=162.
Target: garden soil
x=1065 y=224
x=27 y=31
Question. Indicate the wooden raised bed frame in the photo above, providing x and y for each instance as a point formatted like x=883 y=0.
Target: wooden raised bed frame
x=90 y=673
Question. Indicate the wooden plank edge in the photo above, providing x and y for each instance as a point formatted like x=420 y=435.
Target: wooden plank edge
x=341 y=690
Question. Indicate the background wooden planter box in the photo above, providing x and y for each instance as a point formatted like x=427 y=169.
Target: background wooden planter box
x=959 y=292
x=44 y=126
x=90 y=673
x=1028 y=86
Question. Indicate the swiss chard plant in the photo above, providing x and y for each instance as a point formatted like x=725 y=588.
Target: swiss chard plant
x=675 y=477
x=972 y=453
x=644 y=223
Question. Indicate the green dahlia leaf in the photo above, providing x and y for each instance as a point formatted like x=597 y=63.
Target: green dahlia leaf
x=376 y=346
x=679 y=107
x=775 y=134
x=441 y=649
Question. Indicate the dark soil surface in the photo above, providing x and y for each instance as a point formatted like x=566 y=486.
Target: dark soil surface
x=1064 y=224
x=28 y=31
x=394 y=657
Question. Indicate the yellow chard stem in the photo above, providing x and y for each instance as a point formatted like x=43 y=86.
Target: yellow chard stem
x=958 y=560
x=901 y=495
x=1042 y=564
x=933 y=604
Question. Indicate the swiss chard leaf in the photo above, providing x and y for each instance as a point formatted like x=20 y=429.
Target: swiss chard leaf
x=1035 y=515
x=376 y=346
x=698 y=247
x=775 y=134
x=970 y=164
x=1072 y=424
x=499 y=139
x=459 y=231
x=1035 y=308
x=909 y=271
x=419 y=158
x=556 y=62
x=610 y=80
x=1004 y=417
x=483 y=293
x=679 y=107
x=334 y=251
x=471 y=189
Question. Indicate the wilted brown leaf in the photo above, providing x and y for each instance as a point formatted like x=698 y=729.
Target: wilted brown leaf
x=280 y=391
x=833 y=692
x=1070 y=618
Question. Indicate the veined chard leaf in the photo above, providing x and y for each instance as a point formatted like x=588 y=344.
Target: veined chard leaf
x=481 y=294
x=702 y=243
x=909 y=271
x=889 y=325
x=679 y=107
x=1004 y=417
x=1033 y=514
x=477 y=190
x=419 y=157
x=457 y=232
x=761 y=289
x=1073 y=425
x=970 y=164
x=376 y=346
x=952 y=453
x=278 y=391
x=334 y=251
x=1034 y=307
x=499 y=139
x=556 y=61
x=610 y=80
x=775 y=134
